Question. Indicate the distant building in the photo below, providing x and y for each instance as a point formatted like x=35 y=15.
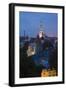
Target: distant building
x=30 y=51
x=41 y=34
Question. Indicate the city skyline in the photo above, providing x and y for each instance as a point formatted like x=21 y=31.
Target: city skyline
x=30 y=23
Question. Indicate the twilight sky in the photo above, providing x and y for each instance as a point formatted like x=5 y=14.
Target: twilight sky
x=29 y=22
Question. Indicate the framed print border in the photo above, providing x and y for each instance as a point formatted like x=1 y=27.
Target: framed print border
x=12 y=43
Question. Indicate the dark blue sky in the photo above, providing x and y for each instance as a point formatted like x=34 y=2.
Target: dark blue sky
x=30 y=23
